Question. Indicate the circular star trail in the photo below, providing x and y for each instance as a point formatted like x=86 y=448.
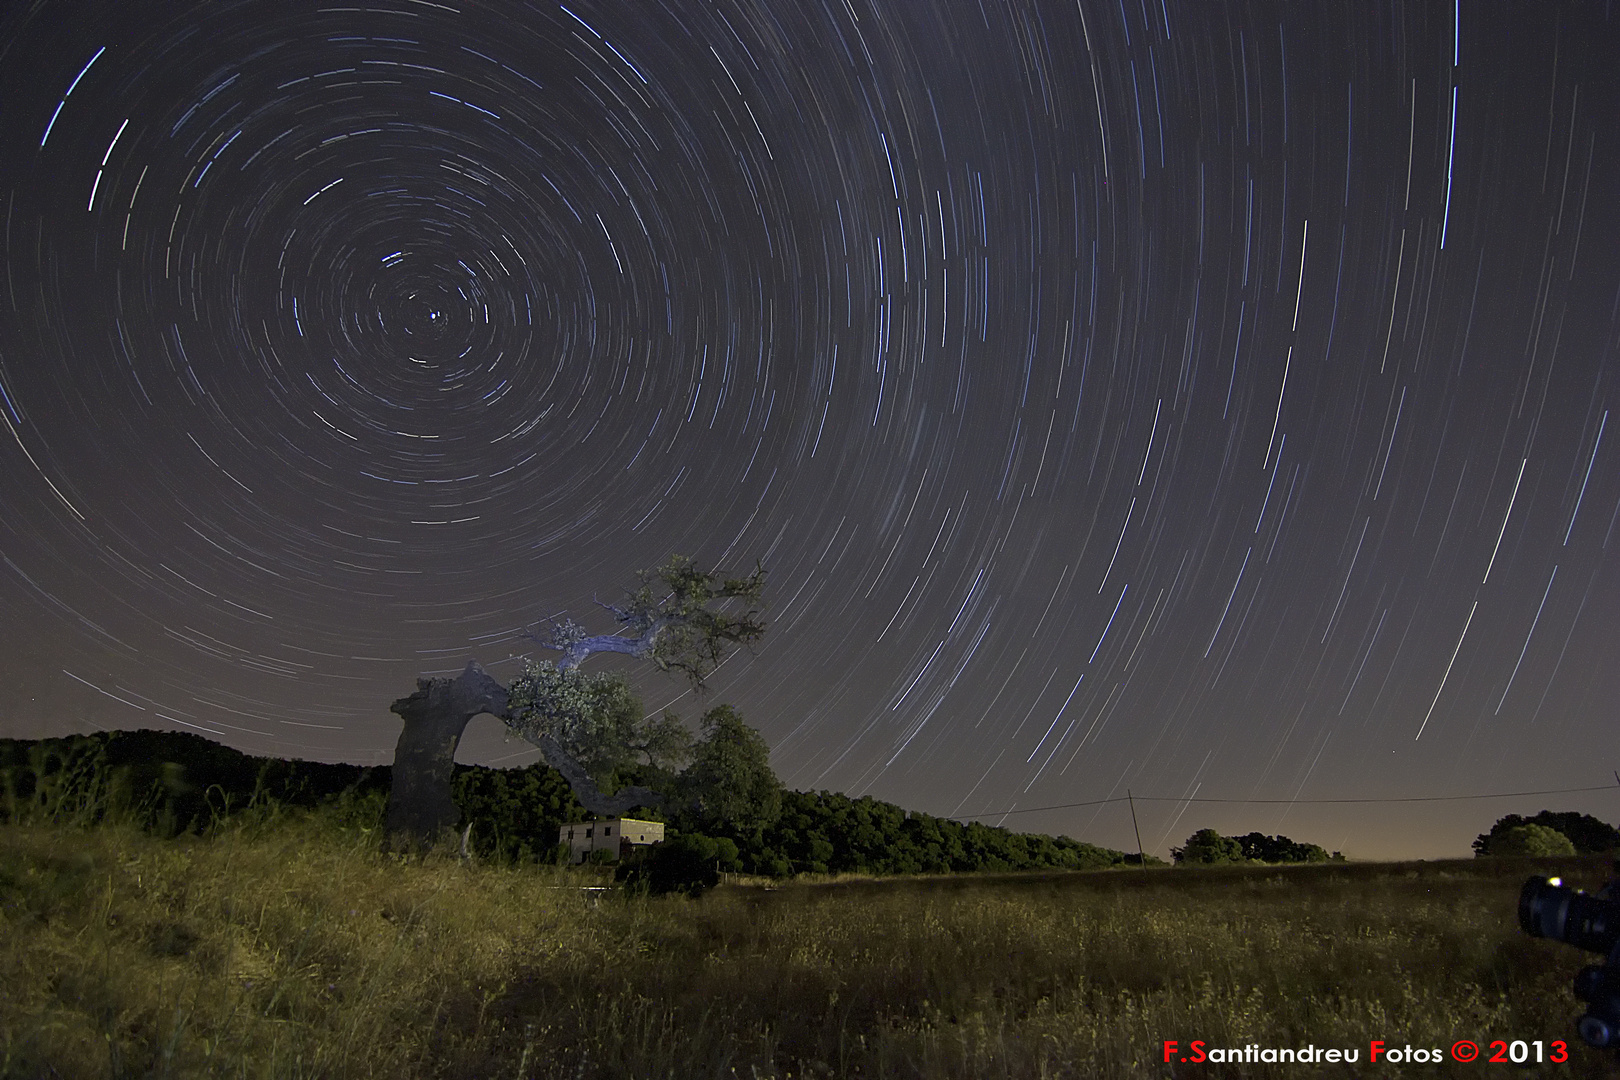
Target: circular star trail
x=1210 y=402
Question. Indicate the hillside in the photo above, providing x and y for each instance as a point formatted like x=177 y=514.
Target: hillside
x=178 y=782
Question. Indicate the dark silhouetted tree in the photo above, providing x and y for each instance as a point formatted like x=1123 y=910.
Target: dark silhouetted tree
x=1532 y=840
x=1589 y=835
x=729 y=787
x=1207 y=847
x=1259 y=847
x=588 y=726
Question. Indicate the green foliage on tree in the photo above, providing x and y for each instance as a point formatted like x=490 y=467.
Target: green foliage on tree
x=689 y=635
x=597 y=718
x=1589 y=835
x=828 y=832
x=729 y=789
x=1206 y=847
x=681 y=618
x=1532 y=840
x=515 y=814
x=1257 y=847
x=589 y=726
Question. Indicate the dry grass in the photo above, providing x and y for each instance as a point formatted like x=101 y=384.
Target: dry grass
x=292 y=948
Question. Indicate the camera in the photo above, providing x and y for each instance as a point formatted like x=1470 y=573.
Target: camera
x=1550 y=909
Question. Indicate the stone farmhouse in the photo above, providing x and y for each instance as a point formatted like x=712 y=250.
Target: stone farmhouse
x=621 y=836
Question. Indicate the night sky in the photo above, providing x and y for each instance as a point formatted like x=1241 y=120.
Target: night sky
x=1202 y=400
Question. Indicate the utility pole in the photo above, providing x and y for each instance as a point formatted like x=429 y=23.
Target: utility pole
x=1143 y=858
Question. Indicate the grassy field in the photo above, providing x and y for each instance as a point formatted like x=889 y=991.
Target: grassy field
x=287 y=945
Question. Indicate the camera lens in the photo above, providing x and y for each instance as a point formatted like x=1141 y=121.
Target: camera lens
x=1543 y=906
x=1594 y=1031
x=1563 y=914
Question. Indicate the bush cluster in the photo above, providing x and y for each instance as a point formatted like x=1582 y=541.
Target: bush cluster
x=684 y=863
x=1583 y=832
x=1208 y=847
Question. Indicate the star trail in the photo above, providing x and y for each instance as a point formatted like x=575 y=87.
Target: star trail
x=1203 y=401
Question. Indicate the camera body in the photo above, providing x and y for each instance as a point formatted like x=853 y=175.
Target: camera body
x=1550 y=909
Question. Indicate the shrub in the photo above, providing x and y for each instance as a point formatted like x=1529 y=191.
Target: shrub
x=1589 y=835
x=685 y=863
x=1532 y=840
x=1279 y=849
x=1208 y=847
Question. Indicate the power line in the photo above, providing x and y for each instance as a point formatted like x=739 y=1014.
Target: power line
x=1294 y=802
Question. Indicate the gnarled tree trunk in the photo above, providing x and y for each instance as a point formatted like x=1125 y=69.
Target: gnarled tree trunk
x=436 y=716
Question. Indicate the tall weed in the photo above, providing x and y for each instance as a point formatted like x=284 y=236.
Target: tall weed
x=283 y=943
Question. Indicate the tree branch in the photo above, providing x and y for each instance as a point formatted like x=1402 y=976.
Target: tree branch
x=585 y=789
x=575 y=652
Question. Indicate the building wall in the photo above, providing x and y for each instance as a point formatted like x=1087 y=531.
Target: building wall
x=609 y=834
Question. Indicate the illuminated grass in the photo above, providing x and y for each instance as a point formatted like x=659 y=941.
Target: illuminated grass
x=291 y=948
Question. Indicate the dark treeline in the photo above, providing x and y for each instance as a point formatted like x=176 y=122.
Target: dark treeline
x=1208 y=847
x=824 y=831
x=1587 y=834
x=173 y=782
x=168 y=782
